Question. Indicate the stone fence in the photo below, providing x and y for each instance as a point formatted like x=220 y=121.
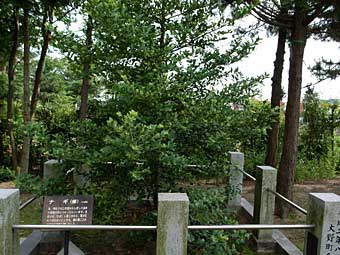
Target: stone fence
x=323 y=217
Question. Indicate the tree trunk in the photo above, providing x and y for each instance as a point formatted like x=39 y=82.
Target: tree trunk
x=10 y=114
x=2 y=128
x=24 y=161
x=289 y=153
x=46 y=32
x=2 y=154
x=86 y=72
x=30 y=108
x=273 y=133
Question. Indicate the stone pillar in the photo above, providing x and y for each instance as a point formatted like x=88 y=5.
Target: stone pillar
x=324 y=213
x=264 y=205
x=52 y=169
x=172 y=223
x=80 y=177
x=235 y=180
x=9 y=215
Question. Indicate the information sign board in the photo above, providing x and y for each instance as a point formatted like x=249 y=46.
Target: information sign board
x=65 y=210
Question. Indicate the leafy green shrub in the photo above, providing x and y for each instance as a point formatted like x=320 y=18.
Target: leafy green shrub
x=28 y=183
x=6 y=174
x=207 y=207
x=43 y=187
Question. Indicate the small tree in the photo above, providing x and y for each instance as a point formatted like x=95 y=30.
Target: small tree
x=315 y=132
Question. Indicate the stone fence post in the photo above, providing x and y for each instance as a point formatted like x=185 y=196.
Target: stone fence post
x=52 y=169
x=9 y=215
x=172 y=223
x=324 y=213
x=235 y=180
x=264 y=206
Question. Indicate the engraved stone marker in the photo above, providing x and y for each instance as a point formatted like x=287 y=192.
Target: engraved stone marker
x=324 y=213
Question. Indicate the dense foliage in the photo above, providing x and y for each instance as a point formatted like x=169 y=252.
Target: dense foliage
x=319 y=148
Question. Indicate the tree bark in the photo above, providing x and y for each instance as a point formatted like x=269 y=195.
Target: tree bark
x=273 y=133
x=48 y=16
x=10 y=114
x=2 y=128
x=86 y=72
x=24 y=161
x=289 y=153
x=31 y=106
x=2 y=154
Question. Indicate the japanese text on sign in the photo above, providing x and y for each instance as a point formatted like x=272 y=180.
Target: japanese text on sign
x=332 y=245
x=67 y=210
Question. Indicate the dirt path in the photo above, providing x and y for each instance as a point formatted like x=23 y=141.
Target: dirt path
x=7 y=185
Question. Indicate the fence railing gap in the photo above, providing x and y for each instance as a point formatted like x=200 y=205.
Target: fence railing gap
x=297 y=207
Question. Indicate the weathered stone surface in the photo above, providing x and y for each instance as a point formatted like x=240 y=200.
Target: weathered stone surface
x=264 y=204
x=172 y=223
x=52 y=169
x=9 y=215
x=80 y=176
x=30 y=244
x=324 y=213
x=284 y=245
x=236 y=179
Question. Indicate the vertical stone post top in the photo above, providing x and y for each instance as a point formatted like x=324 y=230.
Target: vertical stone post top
x=52 y=161
x=4 y=193
x=236 y=158
x=266 y=168
x=176 y=197
x=265 y=176
x=236 y=153
x=325 y=197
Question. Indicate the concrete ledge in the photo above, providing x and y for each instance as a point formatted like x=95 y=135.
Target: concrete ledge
x=283 y=245
x=31 y=243
x=72 y=250
x=41 y=242
x=246 y=211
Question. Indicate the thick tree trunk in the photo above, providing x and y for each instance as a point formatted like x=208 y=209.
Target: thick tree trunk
x=10 y=114
x=24 y=161
x=86 y=72
x=273 y=133
x=289 y=153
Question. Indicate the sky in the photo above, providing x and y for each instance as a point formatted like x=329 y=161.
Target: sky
x=262 y=61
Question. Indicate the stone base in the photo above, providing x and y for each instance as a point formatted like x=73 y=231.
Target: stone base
x=265 y=247
x=72 y=250
x=283 y=245
x=42 y=242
